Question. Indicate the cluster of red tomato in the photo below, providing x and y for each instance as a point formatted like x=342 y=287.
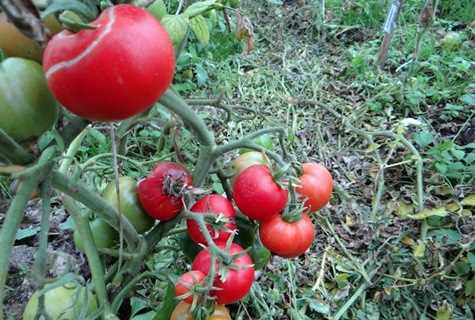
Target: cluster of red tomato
x=259 y=197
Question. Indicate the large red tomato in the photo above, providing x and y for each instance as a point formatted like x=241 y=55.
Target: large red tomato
x=161 y=192
x=238 y=281
x=212 y=204
x=257 y=194
x=186 y=282
x=287 y=239
x=316 y=186
x=114 y=71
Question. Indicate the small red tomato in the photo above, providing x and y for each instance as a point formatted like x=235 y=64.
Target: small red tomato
x=212 y=204
x=238 y=280
x=287 y=239
x=316 y=186
x=160 y=194
x=186 y=282
x=257 y=195
x=114 y=71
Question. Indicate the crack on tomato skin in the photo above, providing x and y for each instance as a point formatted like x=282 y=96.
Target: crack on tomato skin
x=86 y=52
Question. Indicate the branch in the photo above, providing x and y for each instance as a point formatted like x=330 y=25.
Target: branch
x=12 y=151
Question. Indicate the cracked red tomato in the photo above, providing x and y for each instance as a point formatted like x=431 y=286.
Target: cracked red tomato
x=212 y=204
x=287 y=239
x=187 y=282
x=257 y=195
x=238 y=278
x=316 y=186
x=116 y=70
x=161 y=193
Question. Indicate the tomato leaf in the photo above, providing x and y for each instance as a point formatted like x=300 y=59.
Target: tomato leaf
x=177 y=27
x=469 y=200
x=426 y=213
x=87 y=9
x=198 y=8
x=471 y=260
x=199 y=26
x=168 y=304
x=158 y=9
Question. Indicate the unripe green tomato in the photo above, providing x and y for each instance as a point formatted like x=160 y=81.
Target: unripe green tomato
x=129 y=203
x=63 y=303
x=246 y=160
x=15 y=44
x=265 y=141
x=158 y=9
x=103 y=234
x=27 y=108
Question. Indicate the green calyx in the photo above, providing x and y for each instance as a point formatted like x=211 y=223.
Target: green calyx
x=73 y=22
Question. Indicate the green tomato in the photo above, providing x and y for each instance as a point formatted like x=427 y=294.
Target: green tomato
x=129 y=203
x=265 y=141
x=246 y=160
x=63 y=303
x=103 y=234
x=27 y=108
x=158 y=9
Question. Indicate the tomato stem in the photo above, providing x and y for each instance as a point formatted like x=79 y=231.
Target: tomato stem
x=73 y=22
x=12 y=151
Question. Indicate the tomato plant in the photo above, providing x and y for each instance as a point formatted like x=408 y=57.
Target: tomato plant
x=238 y=279
x=316 y=186
x=161 y=192
x=186 y=282
x=103 y=234
x=129 y=203
x=64 y=302
x=182 y=311
x=287 y=239
x=27 y=107
x=16 y=44
x=257 y=195
x=216 y=205
x=113 y=71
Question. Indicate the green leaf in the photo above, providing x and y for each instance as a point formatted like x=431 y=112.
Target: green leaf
x=176 y=26
x=468 y=99
x=87 y=9
x=27 y=232
x=424 y=138
x=199 y=26
x=469 y=200
x=446 y=236
x=459 y=154
x=137 y=304
x=318 y=306
x=471 y=260
x=145 y=316
x=470 y=287
x=425 y=213
x=98 y=136
x=158 y=9
x=200 y=7
x=166 y=307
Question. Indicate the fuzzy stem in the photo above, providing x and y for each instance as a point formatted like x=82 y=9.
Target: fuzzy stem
x=14 y=216
x=95 y=264
x=12 y=151
x=177 y=105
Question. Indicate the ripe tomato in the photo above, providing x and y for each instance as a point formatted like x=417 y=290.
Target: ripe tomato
x=15 y=44
x=183 y=312
x=238 y=281
x=112 y=72
x=186 y=282
x=160 y=193
x=212 y=204
x=103 y=234
x=316 y=186
x=257 y=195
x=65 y=302
x=129 y=203
x=27 y=108
x=287 y=239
